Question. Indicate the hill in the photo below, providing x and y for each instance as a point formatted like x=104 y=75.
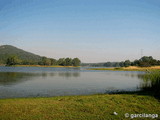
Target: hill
x=10 y=55
x=8 y=50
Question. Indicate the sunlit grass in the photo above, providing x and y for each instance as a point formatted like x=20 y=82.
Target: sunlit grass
x=131 y=68
x=92 y=107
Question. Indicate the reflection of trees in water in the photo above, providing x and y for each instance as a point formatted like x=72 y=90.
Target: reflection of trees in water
x=52 y=74
x=76 y=74
x=8 y=78
x=60 y=74
x=140 y=76
x=69 y=74
x=129 y=74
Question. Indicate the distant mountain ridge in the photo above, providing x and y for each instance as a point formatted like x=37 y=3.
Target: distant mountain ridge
x=8 y=50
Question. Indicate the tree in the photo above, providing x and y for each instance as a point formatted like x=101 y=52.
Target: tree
x=13 y=60
x=127 y=63
x=144 y=64
x=158 y=62
x=147 y=61
x=45 y=61
x=1 y=61
x=76 y=62
x=136 y=63
x=61 y=61
x=121 y=64
x=53 y=61
x=117 y=64
x=68 y=62
x=108 y=64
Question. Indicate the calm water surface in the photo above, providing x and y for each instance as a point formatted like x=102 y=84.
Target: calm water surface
x=45 y=82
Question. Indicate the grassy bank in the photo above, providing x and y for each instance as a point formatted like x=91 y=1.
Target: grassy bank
x=130 y=68
x=92 y=107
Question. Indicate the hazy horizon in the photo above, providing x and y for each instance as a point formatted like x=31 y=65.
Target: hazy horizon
x=92 y=30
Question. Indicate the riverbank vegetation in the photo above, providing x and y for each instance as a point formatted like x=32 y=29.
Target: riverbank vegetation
x=130 y=68
x=152 y=83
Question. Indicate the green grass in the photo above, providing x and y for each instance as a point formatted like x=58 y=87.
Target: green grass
x=92 y=107
x=153 y=75
x=152 y=82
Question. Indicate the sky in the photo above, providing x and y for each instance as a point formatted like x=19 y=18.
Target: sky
x=92 y=30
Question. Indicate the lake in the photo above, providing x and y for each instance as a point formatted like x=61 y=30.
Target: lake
x=51 y=81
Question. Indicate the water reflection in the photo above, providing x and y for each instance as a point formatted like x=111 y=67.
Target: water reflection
x=11 y=78
x=8 y=78
x=68 y=74
x=32 y=81
x=133 y=75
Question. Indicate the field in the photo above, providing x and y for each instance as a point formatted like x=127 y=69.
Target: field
x=92 y=107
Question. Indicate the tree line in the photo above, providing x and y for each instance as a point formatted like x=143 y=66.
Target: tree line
x=15 y=60
x=145 y=61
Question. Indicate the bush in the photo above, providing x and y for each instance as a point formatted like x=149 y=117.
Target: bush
x=152 y=83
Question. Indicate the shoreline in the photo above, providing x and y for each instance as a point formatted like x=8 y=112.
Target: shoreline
x=82 y=95
x=130 y=68
x=40 y=66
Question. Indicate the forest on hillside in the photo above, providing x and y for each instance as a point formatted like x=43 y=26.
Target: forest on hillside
x=14 y=60
x=10 y=55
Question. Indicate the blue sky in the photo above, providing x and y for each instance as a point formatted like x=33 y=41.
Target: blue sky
x=93 y=30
